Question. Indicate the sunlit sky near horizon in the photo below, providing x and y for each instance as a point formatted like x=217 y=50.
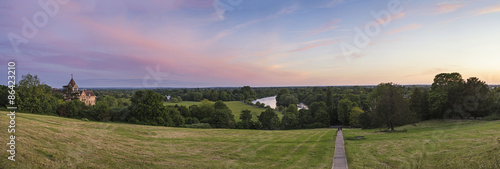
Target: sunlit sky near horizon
x=193 y=43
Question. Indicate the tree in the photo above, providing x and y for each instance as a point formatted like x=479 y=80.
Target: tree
x=246 y=115
x=223 y=96
x=286 y=99
x=446 y=96
x=390 y=108
x=4 y=92
x=344 y=108
x=223 y=116
x=103 y=111
x=269 y=119
x=147 y=108
x=35 y=97
x=354 y=116
x=331 y=105
x=110 y=101
x=319 y=113
x=290 y=117
x=246 y=119
x=248 y=92
x=205 y=111
x=418 y=103
x=479 y=99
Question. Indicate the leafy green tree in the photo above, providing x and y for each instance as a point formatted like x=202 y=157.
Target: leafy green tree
x=354 y=116
x=177 y=118
x=103 y=111
x=123 y=102
x=390 y=108
x=344 y=108
x=319 y=113
x=147 y=107
x=305 y=118
x=4 y=93
x=418 y=103
x=248 y=92
x=446 y=96
x=290 y=118
x=110 y=101
x=269 y=119
x=205 y=111
x=35 y=97
x=286 y=99
x=224 y=96
x=331 y=106
x=223 y=116
x=246 y=115
x=479 y=99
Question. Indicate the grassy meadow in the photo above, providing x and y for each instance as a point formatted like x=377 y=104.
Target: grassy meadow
x=429 y=144
x=54 y=142
x=235 y=106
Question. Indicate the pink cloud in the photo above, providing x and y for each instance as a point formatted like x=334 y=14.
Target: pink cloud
x=394 y=17
x=312 y=46
x=133 y=48
x=404 y=28
x=447 y=8
x=491 y=9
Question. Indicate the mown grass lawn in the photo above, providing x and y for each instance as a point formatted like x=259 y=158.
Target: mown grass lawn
x=235 y=106
x=429 y=144
x=54 y=142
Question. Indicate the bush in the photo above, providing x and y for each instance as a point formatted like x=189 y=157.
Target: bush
x=197 y=125
x=492 y=117
x=85 y=119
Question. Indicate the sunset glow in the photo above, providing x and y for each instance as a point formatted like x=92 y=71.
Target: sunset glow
x=191 y=43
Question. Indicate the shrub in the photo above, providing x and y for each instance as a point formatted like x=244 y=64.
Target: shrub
x=197 y=125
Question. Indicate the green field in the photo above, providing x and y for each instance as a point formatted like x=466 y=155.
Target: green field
x=54 y=142
x=235 y=106
x=429 y=144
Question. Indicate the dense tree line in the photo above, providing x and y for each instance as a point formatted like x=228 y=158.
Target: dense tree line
x=386 y=105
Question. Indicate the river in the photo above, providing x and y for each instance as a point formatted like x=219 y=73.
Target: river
x=271 y=101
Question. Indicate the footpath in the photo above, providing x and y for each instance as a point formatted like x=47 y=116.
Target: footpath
x=339 y=160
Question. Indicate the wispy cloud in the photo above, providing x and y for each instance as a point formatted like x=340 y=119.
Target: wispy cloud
x=404 y=28
x=313 y=45
x=288 y=10
x=332 y=3
x=447 y=8
x=491 y=9
x=395 y=17
x=329 y=26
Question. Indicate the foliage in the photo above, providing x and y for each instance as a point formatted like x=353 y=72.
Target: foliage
x=290 y=118
x=344 y=108
x=269 y=119
x=35 y=97
x=354 y=117
x=198 y=125
x=390 y=108
x=222 y=117
x=418 y=103
x=147 y=108
x=446 y=96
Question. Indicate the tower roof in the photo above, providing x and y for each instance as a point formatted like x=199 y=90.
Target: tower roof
x=72 y=82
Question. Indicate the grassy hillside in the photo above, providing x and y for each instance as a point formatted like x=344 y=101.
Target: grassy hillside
x=235 y=106
x=429 y=144
x=55 y=142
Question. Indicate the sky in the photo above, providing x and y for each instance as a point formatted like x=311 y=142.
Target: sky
x=232 y=43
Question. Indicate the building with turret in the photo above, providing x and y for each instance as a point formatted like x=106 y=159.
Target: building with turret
x=71 y=92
